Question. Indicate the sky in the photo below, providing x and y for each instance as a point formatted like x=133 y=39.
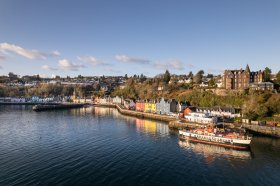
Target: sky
x=109 y=37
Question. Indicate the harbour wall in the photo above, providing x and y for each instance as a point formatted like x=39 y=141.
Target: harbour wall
x=56 y=107
x=27 y=103
x=124 y=111
x=178 y=124
x=145 y=114
x=263 y=130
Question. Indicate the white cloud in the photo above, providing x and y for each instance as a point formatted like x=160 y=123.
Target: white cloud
x=127 y=59
x=172 y=64
x=56 y=53
x=92 y=60
x=65 y=64
x=47 y=67
x=27 y=53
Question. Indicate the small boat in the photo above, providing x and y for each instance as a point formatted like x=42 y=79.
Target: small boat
x=215 y=136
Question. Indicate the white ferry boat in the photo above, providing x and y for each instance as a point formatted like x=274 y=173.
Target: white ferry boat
x=216 y=137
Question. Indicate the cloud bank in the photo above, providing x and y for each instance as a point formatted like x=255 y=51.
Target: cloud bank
x=127 y=59
x=65 y=64
x=172 y=64
x=92 y=60
x=47 y=67
x=27 y=53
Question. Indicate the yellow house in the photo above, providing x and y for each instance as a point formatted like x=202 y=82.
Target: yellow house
x=150 y=107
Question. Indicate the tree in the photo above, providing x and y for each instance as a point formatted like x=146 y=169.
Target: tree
x=211 y=83
x=278 y=77
x=198 y=77
x=142 y=78
x=166 y=76
x=210 y=76
x=267 y=74
x=125 y=76
x=190 y=74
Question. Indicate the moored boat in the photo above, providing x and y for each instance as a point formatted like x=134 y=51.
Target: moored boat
x=215 y=136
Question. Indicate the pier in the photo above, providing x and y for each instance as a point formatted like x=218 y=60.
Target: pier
x=56 y=107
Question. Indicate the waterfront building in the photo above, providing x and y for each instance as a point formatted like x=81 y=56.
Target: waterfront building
x=129 y=104
x=173 y=105
x=162 y=107
x=166 y=106
x=140 y=106
x=117 y=100
x=104 y=100
x=189 y=110
x=181 y=106
x=241 y=79
x=199 y=117
x=150 y=107
x=221 y=112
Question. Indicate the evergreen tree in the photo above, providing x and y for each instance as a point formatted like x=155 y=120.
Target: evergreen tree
x=211 y=83
x=278 y=77
x=198 y=77
x=267 y=74
x=166 y=77
x=190 y=74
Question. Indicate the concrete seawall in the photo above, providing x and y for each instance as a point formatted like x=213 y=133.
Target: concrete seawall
x=177 y=124
x=136 y=113
x=145 y=115
x=263 y=130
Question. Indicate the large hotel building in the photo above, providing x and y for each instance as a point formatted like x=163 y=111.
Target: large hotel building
x=241 y=79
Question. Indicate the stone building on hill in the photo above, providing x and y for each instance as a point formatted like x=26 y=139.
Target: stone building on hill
x=241 y=79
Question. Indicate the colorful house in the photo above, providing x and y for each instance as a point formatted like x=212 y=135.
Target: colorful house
x=163 y=107
x=140 y=106
x=189 y=110
x=166 y=106
x=181 y=106
x=150 y=107
x=129 y=104
x=173 y=105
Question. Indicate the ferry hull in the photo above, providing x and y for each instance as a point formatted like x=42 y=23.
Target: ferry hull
x=229 y=145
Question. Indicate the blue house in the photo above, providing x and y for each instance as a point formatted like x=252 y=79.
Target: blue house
x=163 y=107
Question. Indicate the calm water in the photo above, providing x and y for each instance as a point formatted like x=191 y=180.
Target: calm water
x=98 y=146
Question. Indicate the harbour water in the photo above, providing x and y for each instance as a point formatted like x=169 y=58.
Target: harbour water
x=99 y=146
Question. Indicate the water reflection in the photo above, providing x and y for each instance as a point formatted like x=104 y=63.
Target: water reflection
x=151 y=127
x=212 y=151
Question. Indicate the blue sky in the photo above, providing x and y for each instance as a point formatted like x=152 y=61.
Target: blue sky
x=96 y=37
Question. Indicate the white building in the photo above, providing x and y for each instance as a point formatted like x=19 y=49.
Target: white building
x=117 y=100
x=199 y=117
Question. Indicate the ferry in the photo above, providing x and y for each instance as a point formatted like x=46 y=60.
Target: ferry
x=215 y=136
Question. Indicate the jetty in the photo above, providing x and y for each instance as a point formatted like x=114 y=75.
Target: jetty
x=56 y=106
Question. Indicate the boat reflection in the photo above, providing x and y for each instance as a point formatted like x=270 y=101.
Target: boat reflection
x=212 y=150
